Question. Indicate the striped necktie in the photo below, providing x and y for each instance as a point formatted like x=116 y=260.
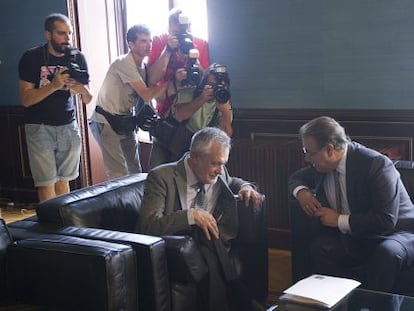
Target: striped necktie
x=200 y=200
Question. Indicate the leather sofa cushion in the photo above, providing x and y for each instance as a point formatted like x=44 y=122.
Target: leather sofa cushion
x=112 y=205
x=5 y=241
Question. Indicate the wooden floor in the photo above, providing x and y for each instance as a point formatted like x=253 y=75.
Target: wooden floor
x=13 y=213
x=279 y=260
x=280 y=276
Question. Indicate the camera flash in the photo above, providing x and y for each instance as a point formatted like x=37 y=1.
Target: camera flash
x=193 y=53
x=183 y=19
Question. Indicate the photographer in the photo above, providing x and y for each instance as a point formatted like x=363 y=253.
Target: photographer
x=124 y=90
x=170 y=52
x=192 y=110
x=49 y=77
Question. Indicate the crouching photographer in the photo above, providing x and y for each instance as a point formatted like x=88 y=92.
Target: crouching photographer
x=191 y=110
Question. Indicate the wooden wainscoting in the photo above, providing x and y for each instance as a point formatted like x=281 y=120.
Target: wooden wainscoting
x=16 y=183
x=267 y=150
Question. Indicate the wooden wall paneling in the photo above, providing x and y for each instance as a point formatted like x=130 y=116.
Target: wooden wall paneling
x=24 y=187
x=5 y=163
x=16 y=181
x=268 y=160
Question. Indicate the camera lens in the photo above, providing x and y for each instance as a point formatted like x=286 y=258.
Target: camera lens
x=194 y=78
x=221 y=94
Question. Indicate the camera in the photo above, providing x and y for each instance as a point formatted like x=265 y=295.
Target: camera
x=221 y=88
x=73 y=69
x=147 y=119
x=192 y=68
x=185 y=39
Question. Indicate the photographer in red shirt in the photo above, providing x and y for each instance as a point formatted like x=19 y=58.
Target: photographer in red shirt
x=170 y=52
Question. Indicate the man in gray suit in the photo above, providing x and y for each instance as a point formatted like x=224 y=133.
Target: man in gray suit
x=355 y=194
x=170 y=204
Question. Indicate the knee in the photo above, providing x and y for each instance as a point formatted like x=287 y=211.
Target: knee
x=390 y=252
x=321 y=247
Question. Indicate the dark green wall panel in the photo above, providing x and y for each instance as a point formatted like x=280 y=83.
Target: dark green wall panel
x=21 y=27
x=356 y=54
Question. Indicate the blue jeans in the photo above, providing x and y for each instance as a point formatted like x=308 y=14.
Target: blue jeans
x=54 y=152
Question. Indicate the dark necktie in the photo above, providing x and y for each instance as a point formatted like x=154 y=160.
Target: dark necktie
x=338 y=193
x=200 y=200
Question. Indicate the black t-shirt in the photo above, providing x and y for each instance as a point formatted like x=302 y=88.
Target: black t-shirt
x=38 y=66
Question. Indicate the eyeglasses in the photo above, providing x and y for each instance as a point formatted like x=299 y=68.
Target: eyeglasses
x=308 y=154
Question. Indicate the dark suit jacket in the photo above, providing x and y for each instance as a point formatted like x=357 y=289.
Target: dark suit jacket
x=165 y=194
x=378 y=201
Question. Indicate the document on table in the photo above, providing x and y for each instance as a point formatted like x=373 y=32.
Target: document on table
x=319 y=290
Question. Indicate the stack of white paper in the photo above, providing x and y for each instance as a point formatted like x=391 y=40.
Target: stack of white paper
x=319 y=290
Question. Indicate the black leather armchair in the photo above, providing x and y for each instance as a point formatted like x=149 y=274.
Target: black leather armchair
x=303 y=229
x=167 y=267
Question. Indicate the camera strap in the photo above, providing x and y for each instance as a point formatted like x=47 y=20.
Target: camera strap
x=214 y=119
x=46 y=59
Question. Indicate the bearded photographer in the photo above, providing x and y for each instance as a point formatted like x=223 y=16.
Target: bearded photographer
x=170 y=52
x=208 y=105
x=49 y=77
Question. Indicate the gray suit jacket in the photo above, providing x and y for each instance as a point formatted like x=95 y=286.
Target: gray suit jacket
x=378 y=201
x=165 y=194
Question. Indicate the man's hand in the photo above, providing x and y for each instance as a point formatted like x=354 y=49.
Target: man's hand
x=78 y=88
x=206 y=222
x=308 y=202
x=180 y=75
x=247 y=193
x=328 y=216
x=60 y=79
x=75 y=86
x=207 y=94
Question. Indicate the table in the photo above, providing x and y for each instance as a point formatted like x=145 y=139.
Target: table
x=359 y=300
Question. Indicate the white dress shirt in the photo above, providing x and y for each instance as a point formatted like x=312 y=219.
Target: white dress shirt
x=329 y=187
x=212 y=193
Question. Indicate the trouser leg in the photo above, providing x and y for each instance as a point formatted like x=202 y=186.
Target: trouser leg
x=130 y=149
x=387 y=262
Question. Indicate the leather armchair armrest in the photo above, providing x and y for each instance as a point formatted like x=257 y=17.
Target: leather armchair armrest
x=303 y=230
x=252 y=222
x=153 y=286
x=251 y=247
x=185 y=262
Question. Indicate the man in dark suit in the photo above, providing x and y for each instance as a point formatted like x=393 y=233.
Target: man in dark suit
x=171 y=206
x=365 y=215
